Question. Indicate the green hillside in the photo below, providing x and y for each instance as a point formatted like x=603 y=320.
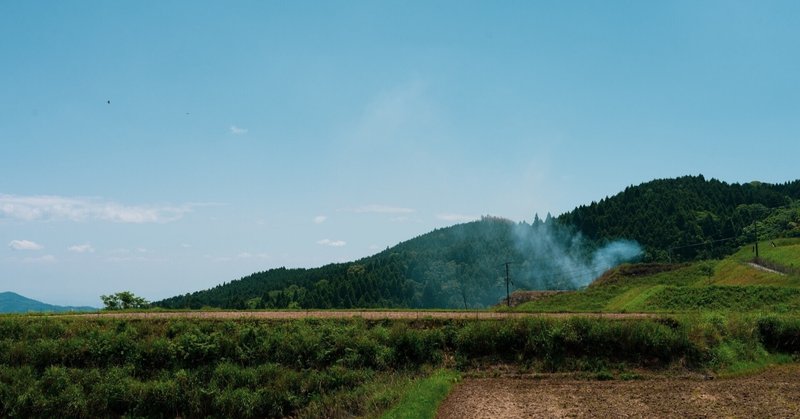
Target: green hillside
x=731 y=284
x=691 y=218
x=463 y=266
x=14 y=303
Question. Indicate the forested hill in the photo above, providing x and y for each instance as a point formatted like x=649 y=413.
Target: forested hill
x=11 y=302
x=690 y=217
x=464 y=265
x=459 y=266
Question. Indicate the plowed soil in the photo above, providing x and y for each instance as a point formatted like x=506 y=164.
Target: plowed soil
x=771 y=394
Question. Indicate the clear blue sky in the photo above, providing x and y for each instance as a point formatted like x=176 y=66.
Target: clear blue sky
x=243 y=136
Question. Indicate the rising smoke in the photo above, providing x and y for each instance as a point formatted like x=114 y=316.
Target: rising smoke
x=555 y=256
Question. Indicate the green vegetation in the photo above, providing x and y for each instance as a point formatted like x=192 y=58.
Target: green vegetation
x=423 y=400
x=731 y=284
x=691 y=218
x=312 y=368
x=625 y=288
x=124 y=300
x=456 y=267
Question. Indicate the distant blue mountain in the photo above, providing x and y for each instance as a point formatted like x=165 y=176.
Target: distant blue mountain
x=11 y=302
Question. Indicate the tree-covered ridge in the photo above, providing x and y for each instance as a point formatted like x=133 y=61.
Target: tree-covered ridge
x=462 y=266
x=690 y=217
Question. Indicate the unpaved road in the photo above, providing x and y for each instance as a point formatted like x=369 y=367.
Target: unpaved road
x=346 y=314
x=772 y=394
x=764 y=268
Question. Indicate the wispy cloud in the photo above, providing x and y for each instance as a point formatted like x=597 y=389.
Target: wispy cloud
x=40 y=259
x=250 y=255
x=397 y=114
x=139 y=254
x=239 y=256
x=128 y=259
x=383 y=209
x=320 y=219
x=51 y=208
x=238 y=130
x=332 y=243
x=81 y=248
x=458 y=218
x=24 y=245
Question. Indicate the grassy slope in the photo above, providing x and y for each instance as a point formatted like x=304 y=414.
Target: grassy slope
x=729 y=284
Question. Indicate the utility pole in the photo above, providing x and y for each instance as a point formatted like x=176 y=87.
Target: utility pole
x=756 y=228
x=508 y=294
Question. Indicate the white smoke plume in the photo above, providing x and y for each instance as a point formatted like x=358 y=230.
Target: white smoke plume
x=556 y=256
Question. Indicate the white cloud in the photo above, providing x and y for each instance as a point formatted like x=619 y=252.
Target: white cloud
x=40 y=259
x=237 y=130
x=51 y=208
x=383 y=209
x=458 y=218
x=24 y=245
x=332 y=243
x=320 y=219
x=81 y=248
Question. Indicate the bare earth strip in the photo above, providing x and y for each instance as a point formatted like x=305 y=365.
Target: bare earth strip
x=346 y=314
x=764 y=268
x=772 y=394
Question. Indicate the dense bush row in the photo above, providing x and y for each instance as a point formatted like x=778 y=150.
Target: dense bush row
x=59 y=366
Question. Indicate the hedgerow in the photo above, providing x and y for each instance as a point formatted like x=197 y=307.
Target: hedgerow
x=78 y=367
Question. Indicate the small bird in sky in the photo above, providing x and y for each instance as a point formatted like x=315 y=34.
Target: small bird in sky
x=108 y=102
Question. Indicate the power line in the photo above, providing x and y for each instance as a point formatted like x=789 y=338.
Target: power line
x=703 y=243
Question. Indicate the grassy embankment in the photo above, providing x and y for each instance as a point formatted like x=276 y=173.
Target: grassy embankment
x=314 y=368
x=729 y=285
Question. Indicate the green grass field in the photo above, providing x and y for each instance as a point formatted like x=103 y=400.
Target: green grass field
x=731 y=284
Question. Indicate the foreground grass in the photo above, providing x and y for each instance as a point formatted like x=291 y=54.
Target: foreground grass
x=78 y=367
x=425 y=396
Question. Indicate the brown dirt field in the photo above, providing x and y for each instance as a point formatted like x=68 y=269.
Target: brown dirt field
x=346 y=314
x=774 y=393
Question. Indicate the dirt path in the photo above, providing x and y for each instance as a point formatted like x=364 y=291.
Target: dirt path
x=772 y=394
x=764 y=268
x=346 y=314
